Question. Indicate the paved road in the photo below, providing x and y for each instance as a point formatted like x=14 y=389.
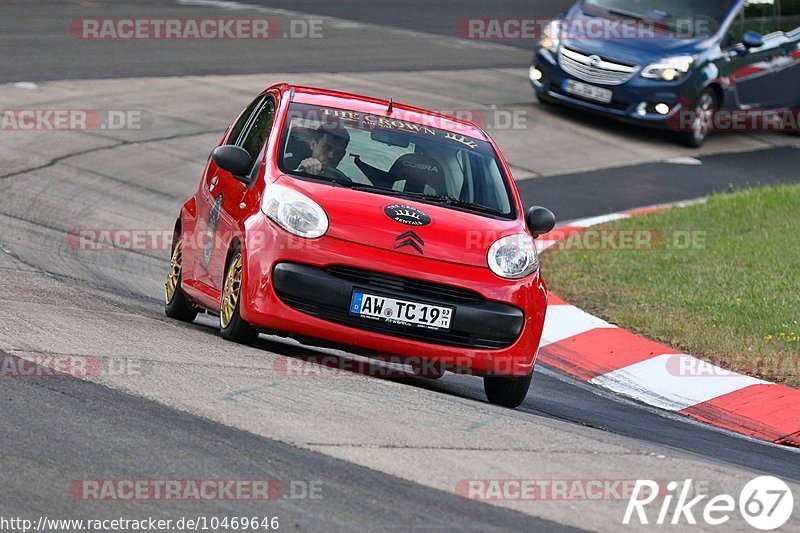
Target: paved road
x=36 y=42
x=389 y=452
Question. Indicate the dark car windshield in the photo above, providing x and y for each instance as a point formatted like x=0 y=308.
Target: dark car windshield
x=685 y=18
x=394 y=157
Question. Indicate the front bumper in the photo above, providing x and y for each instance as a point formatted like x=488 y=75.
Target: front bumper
x=628 y=98
x=303 y=288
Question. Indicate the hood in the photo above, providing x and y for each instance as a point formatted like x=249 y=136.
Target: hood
x=636 y=51
x=405 y=226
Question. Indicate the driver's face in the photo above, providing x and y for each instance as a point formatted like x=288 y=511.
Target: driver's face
x=328 y=150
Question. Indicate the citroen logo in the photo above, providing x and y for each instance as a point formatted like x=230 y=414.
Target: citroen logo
x=595 y=61
x=410 y=238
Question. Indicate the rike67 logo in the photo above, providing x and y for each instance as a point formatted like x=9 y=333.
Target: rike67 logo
x=766 y=503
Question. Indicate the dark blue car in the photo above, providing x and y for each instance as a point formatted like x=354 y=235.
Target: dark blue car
x=673 y=63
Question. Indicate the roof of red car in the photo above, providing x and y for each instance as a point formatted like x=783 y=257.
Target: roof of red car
x=379 y=107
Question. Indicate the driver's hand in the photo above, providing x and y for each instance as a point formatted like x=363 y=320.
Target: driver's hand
x=310 y=165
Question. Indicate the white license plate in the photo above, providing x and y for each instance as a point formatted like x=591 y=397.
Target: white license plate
x=401 y=311
x=588 y=91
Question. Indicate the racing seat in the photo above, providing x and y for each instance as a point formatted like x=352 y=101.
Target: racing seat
x=422 y=174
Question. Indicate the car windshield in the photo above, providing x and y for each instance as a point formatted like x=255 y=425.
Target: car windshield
x=394 y=157
x=687 y=18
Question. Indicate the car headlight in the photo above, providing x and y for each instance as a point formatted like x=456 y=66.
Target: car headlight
x=294 y=211
x=552 y=36
x=668 y=69
x=513 y=257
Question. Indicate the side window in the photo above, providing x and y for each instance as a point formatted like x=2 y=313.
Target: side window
x=761 y=16
x=790 y=15
x=256 y=136
x=242 y=121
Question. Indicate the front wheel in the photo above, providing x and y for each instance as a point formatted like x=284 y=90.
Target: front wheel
x=176 y=305
x=231 y=324
x=700 y=127
x=508 y=391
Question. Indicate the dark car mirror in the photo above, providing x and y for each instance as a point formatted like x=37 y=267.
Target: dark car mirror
x=540 y=220
x=752 y=39
x=234 y=159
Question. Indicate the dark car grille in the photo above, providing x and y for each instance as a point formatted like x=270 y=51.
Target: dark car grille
x=406 y=285
x=326 y=293
x=447 y=338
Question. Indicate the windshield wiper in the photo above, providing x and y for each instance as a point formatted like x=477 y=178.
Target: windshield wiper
x=326 y=179
x=455 y=202
x=439 y=199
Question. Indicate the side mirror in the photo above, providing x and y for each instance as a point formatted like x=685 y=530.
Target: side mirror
x=540 y=220
x=752 y=39
x=234 y=159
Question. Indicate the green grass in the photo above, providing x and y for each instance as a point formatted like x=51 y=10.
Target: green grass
x=734 y=299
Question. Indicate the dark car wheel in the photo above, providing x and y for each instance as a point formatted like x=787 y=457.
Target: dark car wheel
x=508 y=391
x=232 y=326
x=700 y=129
x=176 y=305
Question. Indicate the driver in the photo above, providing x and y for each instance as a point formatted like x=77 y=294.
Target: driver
x=328 y=144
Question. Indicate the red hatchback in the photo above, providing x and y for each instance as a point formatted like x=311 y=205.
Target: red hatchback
x=350 y=220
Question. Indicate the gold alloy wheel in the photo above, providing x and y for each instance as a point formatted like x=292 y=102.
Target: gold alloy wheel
x=230 y=294
x=174 y=272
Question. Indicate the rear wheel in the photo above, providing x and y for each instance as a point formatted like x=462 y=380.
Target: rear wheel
x=701 y=122
x=176 y=305
x=232 y=326
x=508 y=391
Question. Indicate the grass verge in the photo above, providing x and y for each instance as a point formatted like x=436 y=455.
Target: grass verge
x=719 y=280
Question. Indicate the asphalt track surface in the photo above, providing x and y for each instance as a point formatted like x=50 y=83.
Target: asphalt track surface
x=204 y=409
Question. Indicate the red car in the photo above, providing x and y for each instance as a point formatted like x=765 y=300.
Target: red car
x=355 y=221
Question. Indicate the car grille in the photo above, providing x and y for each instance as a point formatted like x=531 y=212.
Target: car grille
x=595 y=69
x=406 y=285
x=446 y=338
x=327 y=292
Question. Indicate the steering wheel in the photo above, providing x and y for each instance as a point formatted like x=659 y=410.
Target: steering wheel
x=334 y=173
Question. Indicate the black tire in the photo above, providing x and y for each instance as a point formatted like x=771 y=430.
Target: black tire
x=232 y=326
x=176 y=305
x=698 y=135
x=508 y=391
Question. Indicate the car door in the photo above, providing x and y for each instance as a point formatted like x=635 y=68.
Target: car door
x=234 y=192
x=221 y=196
x=757 y=73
